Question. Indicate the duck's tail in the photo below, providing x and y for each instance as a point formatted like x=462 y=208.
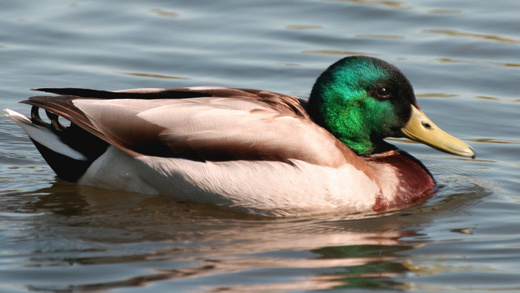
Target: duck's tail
x=69 y=150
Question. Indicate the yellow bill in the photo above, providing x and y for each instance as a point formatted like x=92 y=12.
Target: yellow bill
x=420 y=128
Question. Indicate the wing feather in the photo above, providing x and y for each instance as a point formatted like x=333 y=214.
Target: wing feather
x=210 y=123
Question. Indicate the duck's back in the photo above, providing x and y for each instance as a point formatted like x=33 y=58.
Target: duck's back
x=204 y=124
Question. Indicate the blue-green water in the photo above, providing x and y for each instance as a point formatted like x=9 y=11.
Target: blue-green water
x=463 y=59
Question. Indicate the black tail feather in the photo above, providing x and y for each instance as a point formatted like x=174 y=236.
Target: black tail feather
x=100 y=94
x=78 y=139
x=65 y=167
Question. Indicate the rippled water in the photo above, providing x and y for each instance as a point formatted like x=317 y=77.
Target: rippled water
x=463 y=60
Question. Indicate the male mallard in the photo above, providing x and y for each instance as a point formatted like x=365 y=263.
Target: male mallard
x=251 y=150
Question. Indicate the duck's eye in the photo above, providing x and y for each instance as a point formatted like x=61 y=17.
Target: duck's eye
x=383 y=93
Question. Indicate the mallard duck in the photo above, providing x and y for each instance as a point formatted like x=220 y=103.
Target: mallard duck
x=251 y=150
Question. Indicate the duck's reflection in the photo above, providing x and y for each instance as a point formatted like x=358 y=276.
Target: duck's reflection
x=170 y=241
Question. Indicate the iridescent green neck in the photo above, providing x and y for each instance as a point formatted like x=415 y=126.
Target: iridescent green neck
x=340 y=102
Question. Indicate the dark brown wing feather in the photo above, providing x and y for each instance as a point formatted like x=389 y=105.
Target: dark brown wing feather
x=62 y=106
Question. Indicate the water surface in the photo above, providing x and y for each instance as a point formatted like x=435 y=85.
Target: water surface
x=463 y=61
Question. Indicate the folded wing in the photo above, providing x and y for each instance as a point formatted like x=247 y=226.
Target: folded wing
x=204 y=123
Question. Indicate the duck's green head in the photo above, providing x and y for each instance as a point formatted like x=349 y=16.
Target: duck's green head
x=361 y=100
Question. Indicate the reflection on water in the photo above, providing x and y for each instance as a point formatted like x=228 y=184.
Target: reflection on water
x=189 y=242
x=444 y=11
x=451 y=60
x=435 y=95
x=303 y=27
x=154 y=75
x=338 y=52
x=388 y=4
x=392 y=37
x=493 y=140
x=456 y=33
x=161 y=12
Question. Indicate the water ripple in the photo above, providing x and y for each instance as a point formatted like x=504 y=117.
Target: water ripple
x=338 y=52
x=456 y=33
x=161 y=76
x=161 y=12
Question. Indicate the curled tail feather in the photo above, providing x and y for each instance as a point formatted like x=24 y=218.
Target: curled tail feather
x=69 y=150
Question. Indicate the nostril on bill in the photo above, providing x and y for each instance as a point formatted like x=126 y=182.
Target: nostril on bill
x=427 y=125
